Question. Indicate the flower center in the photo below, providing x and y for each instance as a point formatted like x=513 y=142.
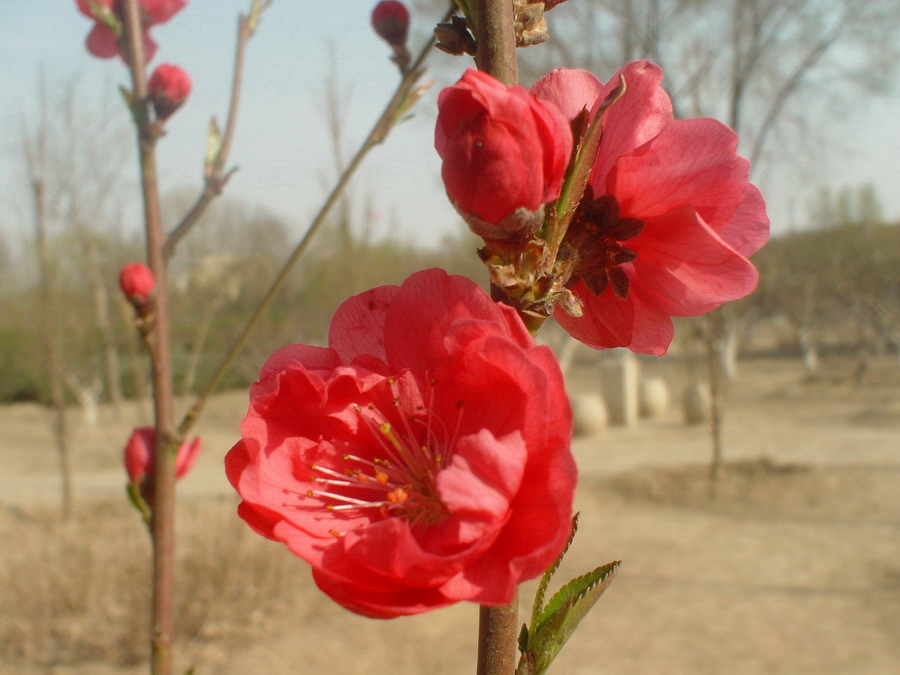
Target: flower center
x=595 y=234
x=395 y=479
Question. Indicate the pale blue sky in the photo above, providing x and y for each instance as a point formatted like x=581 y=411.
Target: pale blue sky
x=281 y=144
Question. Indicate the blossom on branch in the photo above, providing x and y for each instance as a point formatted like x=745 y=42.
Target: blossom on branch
x=668 y=219
x=419 y=460
x=139 y=465
x=103 y=40
x=504 y=154
x=169 y=87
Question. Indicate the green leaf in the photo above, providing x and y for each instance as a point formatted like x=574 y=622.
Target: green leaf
x=128 y=97
x=106 y=16
x=548 y=574
x=213 y=145
x=564 y=612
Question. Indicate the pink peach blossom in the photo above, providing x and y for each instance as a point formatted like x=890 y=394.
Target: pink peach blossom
x=102 y=42
x=668 y=221
x=419 y=460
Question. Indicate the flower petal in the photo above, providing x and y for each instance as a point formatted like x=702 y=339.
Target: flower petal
x=748 y=228
x=690 y=162
x=358 y=324
x=688 y=266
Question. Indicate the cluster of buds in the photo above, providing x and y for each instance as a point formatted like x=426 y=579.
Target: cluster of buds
x=169 y=85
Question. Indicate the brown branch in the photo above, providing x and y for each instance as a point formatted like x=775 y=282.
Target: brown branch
x=162 y=526
x=216 y=178
x=496 y=55
x=496 y=41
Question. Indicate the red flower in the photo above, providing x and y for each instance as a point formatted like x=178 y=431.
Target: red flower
x=139 y=452
x=390 y=19
x=505 y=154
x=421 y=459
x=669 y=220
x=169 y=88
x=136 y=281
x=102 y=42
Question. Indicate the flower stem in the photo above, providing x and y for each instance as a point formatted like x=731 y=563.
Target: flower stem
x=496 y=55
x=389 y=117
x=497 y=632
x=163 y=520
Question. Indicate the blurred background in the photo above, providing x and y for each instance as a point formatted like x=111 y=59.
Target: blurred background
x=750 y=479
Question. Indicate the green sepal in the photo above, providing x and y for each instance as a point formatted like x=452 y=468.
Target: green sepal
x=566 y=609
x=128 y=97
x=579 y=170
x=134 y=496
x=105 y=16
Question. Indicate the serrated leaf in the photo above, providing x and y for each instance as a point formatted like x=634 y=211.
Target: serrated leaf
x=548 y=575
x=565 y=611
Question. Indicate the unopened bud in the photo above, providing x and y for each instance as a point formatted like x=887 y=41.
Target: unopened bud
x=390 y=19
x=137 y=282
x=169 y=87
x=139 y=454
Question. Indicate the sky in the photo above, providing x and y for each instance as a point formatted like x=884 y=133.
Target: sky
x=282 y=147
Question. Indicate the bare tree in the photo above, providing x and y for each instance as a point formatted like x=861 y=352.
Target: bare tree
x=35 y=147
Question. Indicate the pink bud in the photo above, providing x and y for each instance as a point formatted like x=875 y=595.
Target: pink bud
x=505 y=154
x=390 y=19
x=169 y=87
x=136 y=281
x=140 y=449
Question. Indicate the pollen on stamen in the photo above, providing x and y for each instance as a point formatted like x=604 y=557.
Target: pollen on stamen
x=335 y=533
x=397 y=496
x=381 y=477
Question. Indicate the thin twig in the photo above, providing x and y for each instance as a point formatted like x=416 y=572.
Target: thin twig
x=215 y=181
x=376 y=136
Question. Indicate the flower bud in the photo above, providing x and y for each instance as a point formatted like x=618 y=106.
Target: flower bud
x=140 y=450
x=390 y=19
x=136 y=281
x=505 y=154
x=169 y=87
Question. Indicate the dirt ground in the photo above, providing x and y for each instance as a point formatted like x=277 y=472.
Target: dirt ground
x=792 y=567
